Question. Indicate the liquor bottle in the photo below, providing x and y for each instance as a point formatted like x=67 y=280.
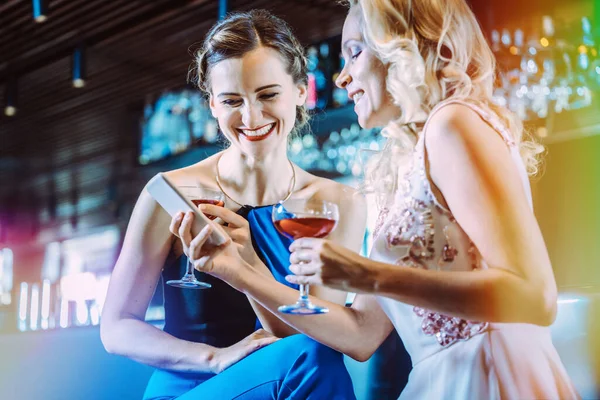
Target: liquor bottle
x=495 y=38
x=313 y=61
x=324 y=72
x=585 y=45
x=582 y=95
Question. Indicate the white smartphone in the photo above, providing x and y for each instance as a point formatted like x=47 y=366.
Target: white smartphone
x=166 y=194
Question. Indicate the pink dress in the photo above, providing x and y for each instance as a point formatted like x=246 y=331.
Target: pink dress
x=453 y=358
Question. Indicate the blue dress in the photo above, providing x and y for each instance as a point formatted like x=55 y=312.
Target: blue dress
x=295 y=367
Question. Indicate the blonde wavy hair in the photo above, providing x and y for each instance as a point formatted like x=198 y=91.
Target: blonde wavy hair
x=434 y=50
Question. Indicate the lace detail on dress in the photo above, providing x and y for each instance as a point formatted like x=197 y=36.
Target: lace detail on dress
x=448 y=330
x=381 y=218
x=411 y=224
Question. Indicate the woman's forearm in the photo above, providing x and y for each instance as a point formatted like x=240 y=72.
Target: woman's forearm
x=270 y=321
x=144 y=343
x=343 y=329
x=492 y=295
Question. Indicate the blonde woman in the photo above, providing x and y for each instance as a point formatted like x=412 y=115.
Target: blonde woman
x=458 y=263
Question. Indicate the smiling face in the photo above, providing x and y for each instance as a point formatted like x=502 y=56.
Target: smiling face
x=254 y=99
x=364 y=77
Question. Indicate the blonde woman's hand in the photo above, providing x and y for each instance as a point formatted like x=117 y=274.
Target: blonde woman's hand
x=323 y=262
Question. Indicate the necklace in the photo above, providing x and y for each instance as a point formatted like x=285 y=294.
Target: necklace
x=218 y=178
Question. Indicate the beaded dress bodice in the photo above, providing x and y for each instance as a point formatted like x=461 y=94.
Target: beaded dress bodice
x=415 y=230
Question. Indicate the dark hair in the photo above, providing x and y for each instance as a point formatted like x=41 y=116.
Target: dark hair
x=240 y=33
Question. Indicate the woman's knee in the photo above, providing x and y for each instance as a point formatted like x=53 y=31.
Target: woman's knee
x=311 y=351
x=298 y=341
x=306 y=344
x=316 y=369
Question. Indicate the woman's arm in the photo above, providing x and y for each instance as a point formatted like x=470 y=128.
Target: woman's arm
x=134 y=279
x=357 y=331
x=492 y=295
x=472 y=167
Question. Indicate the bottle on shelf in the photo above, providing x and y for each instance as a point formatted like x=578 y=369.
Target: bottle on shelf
x=313 y=62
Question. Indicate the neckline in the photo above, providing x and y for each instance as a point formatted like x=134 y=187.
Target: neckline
x=246 y=210
x=254 y=207
x=290 y=190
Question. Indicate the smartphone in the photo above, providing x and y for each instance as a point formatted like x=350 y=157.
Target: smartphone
x=166 y=194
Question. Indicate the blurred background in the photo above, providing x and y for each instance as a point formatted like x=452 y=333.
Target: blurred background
x=95 y=102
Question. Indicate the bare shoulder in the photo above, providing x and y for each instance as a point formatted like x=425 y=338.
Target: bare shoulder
x=196 y=174
x=150 y=218
x=457 y=125
x=468 y=158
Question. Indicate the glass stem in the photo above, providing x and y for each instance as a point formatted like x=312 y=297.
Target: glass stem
x=190 y=269
x=304 y=292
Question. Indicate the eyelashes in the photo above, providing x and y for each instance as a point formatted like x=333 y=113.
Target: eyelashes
x=237 y=102
x=355 y=55
x=231 y=103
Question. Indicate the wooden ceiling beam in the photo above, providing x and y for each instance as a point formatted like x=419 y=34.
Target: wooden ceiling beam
x=70 y=22
x=100 y=29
